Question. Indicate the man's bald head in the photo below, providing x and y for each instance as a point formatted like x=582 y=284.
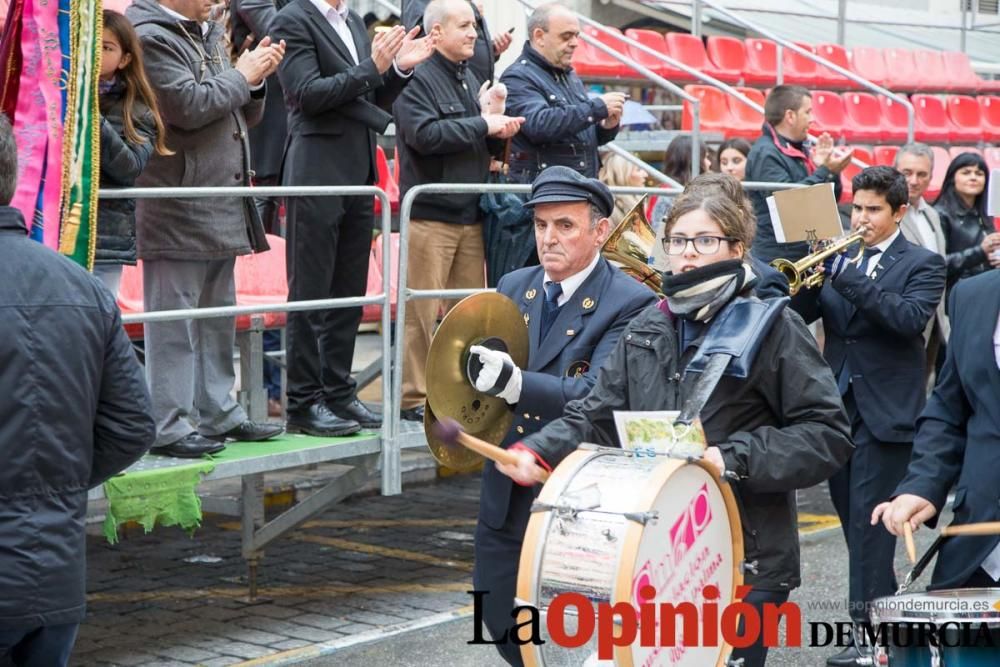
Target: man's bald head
x=453 y=24
x=440 y=11
x=554 y=32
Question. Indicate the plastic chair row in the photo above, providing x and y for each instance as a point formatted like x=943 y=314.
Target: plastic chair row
x=857 y=117
x=754 y=62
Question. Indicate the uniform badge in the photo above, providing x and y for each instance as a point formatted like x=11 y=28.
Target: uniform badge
x=570 y=332
x=588 y=303
x=526 y=318
x=577 y=369
x=531 y=294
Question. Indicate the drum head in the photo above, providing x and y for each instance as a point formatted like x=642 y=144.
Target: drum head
x=695 y=541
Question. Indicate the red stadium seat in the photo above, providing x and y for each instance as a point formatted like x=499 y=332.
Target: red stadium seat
x=130 y=297
x=959 y=70
x=885 y=155
x=852 y=170
x=901 y=70
x=729 y=53
x=655 y=41
x=869 y=63
x=992 y=156
x=591 y=62
x=941 y=161
x=894 y=120
x=989 y=108
x=988 y=86
x=933 y=75
x=933 y=124
x=260 y=279
x=373 y=313
x=966 y=118
x=862 y=118
x=828 y=113
x=690 y=50
x=797 y=68
x=386 y=181
x=747 y=122
x=826 y=77
x=762 y=62
x=715 y=116
x=955 y=151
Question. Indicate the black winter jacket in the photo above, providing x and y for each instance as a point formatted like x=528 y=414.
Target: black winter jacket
x=780 y=429
x=769 y=163
x=443 y=139
x=964 y=230
x=121 y=163
x=74 y=412
x=561 y=123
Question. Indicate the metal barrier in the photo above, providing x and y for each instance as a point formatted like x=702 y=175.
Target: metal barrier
x=404 y=293
x=391 y=452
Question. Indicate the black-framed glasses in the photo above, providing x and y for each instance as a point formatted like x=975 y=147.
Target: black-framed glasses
x=704 y=245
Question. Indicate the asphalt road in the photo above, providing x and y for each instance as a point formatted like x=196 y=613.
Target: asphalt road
x=821 y=598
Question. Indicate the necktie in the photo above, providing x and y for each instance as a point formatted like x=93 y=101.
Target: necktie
x=550 y=309
x=866 y=261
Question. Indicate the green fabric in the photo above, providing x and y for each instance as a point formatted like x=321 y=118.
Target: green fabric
x=164 y=496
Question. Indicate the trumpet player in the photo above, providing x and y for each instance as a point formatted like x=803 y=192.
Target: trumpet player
x=874 y=313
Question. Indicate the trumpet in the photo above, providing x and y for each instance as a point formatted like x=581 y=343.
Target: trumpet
x=805 y=273
x=630 y=245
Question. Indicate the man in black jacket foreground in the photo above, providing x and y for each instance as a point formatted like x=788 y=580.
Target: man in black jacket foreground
x=74 y=411
x=443 y=139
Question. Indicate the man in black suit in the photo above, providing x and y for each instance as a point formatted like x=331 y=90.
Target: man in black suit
x=874 y=315
x=958 y=438
x=338 y=86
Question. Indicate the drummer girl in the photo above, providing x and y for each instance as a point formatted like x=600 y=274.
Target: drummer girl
x=774 y=421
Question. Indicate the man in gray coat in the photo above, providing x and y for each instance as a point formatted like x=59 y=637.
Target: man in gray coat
x=189 y=246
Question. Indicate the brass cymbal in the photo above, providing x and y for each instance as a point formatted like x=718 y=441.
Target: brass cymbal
x=454 y=455
x=488 y=319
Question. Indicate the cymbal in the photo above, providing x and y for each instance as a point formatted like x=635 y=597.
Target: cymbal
x=488 y=319
x=454 y=455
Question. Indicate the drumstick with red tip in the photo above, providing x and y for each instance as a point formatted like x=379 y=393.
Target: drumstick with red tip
x=449 y=431
x=911 y=548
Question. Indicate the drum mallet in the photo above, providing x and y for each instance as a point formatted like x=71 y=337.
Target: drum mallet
x=451 y=432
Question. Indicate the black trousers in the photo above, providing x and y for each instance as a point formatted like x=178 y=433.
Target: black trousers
x=755 y=655
x=47 y=646
x=867 y=479
x=329 y=242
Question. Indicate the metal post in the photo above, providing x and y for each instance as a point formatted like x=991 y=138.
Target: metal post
x=695 y=139
x=253 y=394
x=842 y=22
x=392 y=475
x=252 y=519
x=965 y=22
x=696 y=18
x=779 y=65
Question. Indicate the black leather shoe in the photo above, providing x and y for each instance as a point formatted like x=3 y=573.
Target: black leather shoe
x=317 y=420
x=360 y=413
x=191 y=446
x=413 y=414
x=250 y=431
x=849 y=657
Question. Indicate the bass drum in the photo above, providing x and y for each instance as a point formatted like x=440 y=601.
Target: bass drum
x=615 y=522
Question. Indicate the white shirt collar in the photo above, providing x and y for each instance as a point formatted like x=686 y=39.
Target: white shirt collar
x=326 y=9
x=572 y=284
x=177 y=15
x=884 y=245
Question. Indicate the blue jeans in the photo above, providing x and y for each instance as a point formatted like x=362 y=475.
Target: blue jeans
x=47 y=646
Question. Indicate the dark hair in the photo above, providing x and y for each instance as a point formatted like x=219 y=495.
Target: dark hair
x=8 y=161
x=781 y=99
x=730 y=186
x=885 y=181
x=727 y=212
x=949 y=198
x=736 y=144
x=677 y=159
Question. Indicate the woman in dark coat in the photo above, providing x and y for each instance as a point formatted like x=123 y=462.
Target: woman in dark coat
x=131 y=130
x=971 y=240
x=774 y=422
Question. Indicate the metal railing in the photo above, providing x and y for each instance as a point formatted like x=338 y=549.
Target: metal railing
x=391 y=450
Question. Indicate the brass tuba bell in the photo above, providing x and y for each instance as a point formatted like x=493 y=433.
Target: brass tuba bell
x=630 y=246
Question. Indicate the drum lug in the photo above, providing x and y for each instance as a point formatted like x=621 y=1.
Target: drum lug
x=751 y=567
x=735 y=662
x=642 y=517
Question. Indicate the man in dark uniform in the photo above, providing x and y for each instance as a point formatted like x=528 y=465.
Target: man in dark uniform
x=575 y=306
x=563 y=126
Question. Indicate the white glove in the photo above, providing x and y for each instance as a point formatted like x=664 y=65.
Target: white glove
x=493 y=99
x=498 y=376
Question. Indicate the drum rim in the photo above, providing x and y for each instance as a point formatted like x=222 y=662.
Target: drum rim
x=621 y=590
x=915 y=616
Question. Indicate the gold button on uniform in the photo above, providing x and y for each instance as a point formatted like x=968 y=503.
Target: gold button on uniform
x=520 y=429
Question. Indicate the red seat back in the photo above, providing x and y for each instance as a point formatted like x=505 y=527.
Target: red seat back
x=932 y=118
x=714 y=109
x=762 y=60
x=965 y=116
x=933 y=75
x=727 y=53
x=894 y=119
x=372 y=312
x=260 y=279
x=959 y=69
x=901 y=70
x=989 y=108
x=386 y=181
x=941 y=161
x=828 y=112
x=868 y=62
x=825 y=76
x=852 y=170
x=955 y=151
x=798 y=69
x=591 y=62
x=863 y=117
x=655 y=41
x=690 y=50
x=130 y=298
x=746 y=120
x=886 y=155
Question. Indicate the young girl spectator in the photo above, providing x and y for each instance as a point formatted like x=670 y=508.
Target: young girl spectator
x=971 y=241
x=732 y=157
x=131 y=129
